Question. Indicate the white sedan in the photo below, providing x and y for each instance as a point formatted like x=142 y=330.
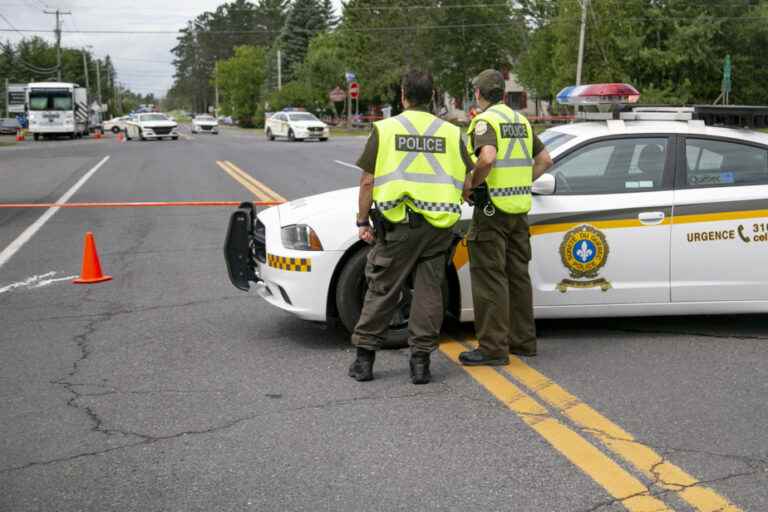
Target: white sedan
x=636 y=217
x=115 y=125
x=205 y=124
x=295 y=126
x=151 y=126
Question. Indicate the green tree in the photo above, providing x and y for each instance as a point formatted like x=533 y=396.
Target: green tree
x=306 y=19
x=239 y=79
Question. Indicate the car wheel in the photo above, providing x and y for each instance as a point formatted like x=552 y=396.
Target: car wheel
x=115 y=129
x=269 y=135
x=127 y=134
x=36 y=136
x=350 y=294
x=141 y=135
x=175 y=138
x=291 y=136
x=323 y=139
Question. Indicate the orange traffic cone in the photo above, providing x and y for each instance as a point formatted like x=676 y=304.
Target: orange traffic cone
x=119 y=136
x=91 y=270
x=97 y=133
x=19 y=136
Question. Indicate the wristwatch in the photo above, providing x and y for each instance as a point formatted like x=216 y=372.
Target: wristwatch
x=363 y=223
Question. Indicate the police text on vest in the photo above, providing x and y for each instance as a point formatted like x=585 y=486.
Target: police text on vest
x=420 y=143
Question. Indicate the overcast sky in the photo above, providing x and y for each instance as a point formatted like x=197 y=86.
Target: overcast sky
x=143 y=61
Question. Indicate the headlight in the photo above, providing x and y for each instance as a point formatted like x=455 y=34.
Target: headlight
x=300 y=237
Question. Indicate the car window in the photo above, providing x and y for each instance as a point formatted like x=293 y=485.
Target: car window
x=277 y=117
x=553 y=139
x=613 y=167
x=719 y=163
x=302 y=117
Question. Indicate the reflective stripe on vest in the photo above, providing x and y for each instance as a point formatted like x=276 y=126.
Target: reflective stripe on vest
x=510 y=179
x=430 y=186
x=440 y=175
x=508 y=161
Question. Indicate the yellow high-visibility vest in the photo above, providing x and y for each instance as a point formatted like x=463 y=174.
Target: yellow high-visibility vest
x=419 y=165
x=510 y=179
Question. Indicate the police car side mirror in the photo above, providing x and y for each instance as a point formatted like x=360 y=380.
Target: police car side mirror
x=544 y=186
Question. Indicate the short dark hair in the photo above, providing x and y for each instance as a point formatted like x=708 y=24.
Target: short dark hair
x=493 y=95
x=418 y=87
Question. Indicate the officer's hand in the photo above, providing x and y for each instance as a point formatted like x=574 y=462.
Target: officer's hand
x=366 y=234
x=467 y=195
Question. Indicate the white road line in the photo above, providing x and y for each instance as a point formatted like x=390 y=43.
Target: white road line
x=345 y=164
x=36 y=282
x=28 y=233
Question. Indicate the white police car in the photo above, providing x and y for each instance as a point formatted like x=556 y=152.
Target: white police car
x=295 y=125
x=204 y=123
x=151 y=125
x=652 y=214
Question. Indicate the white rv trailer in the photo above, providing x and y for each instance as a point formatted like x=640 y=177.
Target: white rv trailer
x=57 y=108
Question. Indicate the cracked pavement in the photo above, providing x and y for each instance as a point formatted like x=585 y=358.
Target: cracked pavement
x=167 y=389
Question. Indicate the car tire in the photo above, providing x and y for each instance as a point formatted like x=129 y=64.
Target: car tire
x=269 y=134
x=175 y=138
x=291 y=136
x=323 y=139
x=141 y=135
x=36 y=136
x=350 y=294
x=115 y=130
x=127 y=134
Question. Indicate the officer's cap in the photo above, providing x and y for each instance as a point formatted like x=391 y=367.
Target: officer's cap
x=489 y=80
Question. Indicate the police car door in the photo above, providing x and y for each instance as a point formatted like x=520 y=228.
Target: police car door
x=720 y=229
x=603 y=236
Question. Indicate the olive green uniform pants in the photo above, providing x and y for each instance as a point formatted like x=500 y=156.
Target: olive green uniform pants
x=499 y=252
x=421 y=251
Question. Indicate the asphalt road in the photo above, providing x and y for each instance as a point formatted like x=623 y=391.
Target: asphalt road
x=166 y=389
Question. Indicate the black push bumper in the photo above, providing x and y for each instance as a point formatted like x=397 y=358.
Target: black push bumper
x=244 y=246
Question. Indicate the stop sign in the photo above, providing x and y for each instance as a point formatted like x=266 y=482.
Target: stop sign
x=354 y=90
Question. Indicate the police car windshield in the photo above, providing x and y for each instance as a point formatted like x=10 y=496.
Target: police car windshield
x=304 y=116
x=153 y=117
x=553 y=139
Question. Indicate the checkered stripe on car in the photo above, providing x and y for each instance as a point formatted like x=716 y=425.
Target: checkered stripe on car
x=510 y=191
x=289 y=264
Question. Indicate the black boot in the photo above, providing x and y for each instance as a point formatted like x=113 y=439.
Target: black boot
x=362 y=368
x=420 y=368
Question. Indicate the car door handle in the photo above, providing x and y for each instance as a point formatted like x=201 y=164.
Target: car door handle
x=651 y=218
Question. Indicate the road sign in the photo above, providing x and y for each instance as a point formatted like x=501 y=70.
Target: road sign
x=350 y=76
x=337 y=95
x=727 y=74
x=354 y=90
x=16 y=98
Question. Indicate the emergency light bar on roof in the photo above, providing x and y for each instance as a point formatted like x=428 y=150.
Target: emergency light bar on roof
x=598 y=94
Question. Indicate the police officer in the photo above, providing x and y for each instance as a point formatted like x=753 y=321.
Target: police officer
x=414 y=167
x=509 y=158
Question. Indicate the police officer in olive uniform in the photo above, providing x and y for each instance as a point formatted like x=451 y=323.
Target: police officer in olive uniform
x=414 y=168
x=509 y=158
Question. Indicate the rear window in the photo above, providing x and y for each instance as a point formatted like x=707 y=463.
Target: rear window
x=720 y=163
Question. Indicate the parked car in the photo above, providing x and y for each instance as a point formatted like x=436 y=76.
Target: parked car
x=115 y=125
x=653 y=214
x=295 y=126
x=9 y=126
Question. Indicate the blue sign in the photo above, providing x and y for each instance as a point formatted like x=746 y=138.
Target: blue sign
x=350 y=76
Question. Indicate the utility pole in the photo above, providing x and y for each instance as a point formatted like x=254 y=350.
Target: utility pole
x=59 y=13
x=584 y=7
x=279 y=70
x=216 y=74
x=85 y=70
x=98 y=83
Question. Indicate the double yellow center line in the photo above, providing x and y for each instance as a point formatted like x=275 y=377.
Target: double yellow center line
x=617 y=481
x=260 y=190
